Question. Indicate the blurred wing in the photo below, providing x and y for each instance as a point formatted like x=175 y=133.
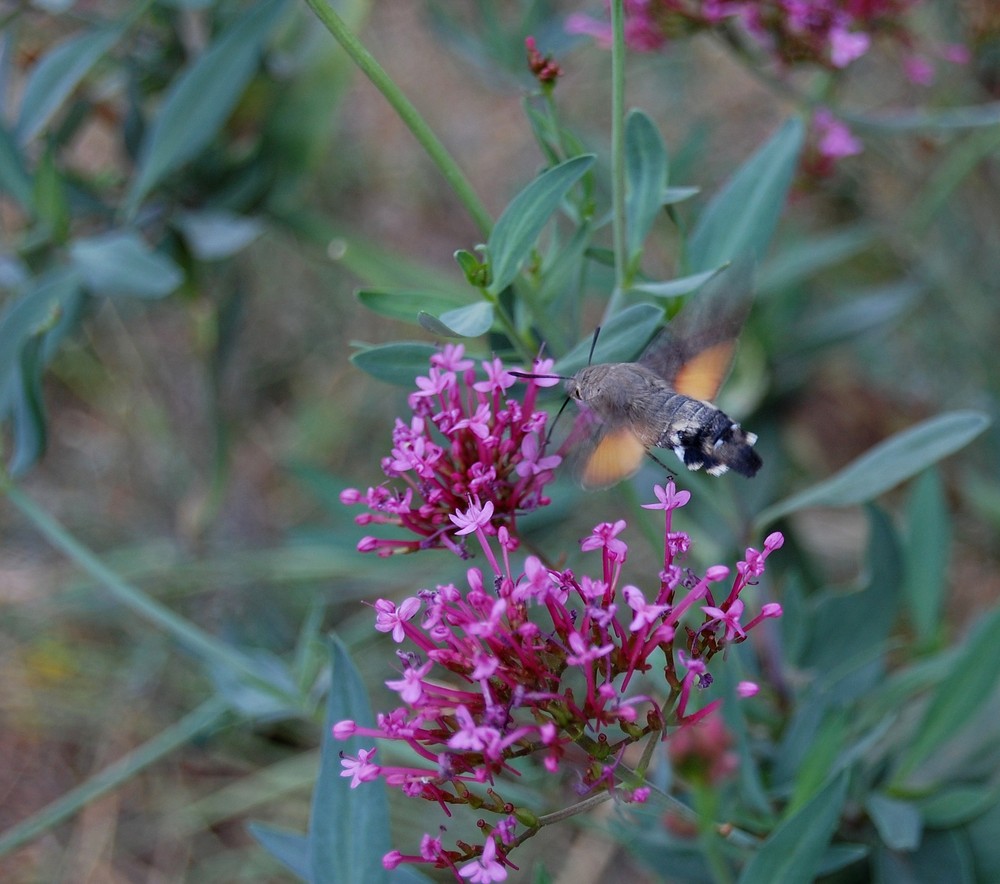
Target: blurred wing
x=616 y=455
x=695 y=351
x=702 y=375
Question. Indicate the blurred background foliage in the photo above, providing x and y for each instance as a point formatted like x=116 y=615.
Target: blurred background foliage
x=179 y=310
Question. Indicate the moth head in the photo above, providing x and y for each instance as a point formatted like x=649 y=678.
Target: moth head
x=585 y=384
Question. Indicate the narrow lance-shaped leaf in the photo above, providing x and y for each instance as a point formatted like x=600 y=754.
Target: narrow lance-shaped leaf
x=201 y=99
x=970 y=684
x=122 y=263
x=404 y=305
x=926 y=555
x=30 y=314
x=519 y=226
x=794 y=850
x=887 y=464
x=742 y=216
x=620 y=340
x=675 y=288
x=397 y=363
x=290 y=848
x=646 y=170
x=28 y=422
x=340 y=815
x=469 y=321
x=14 y=178
x=899 y=823
x=56 y=75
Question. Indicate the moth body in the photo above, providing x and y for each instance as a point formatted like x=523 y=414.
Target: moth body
x=637 y=405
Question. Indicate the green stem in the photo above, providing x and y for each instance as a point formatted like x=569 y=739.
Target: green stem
x=407 y=113
x=524 y=349
x=617 y=155
x=187 y=634
x=178 y=734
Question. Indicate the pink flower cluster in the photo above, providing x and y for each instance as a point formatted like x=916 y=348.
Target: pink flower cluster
x=466 y=441
x=831 y=33
x=533 y=661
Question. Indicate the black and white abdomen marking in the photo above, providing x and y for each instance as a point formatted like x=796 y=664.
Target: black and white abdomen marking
x=703 y=436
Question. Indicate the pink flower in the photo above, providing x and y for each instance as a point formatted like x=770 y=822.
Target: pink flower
x=645 y=613
x=523 y=661
x=360 y=769
x=604 y=537
x=485 y=868
x=411 y=686
x=730 y=619
x=846 y=46
x=918 y=70
x=668 y=496
x=464 y=438
x=497 y=380
x=477 y=516
x=389 y=618
x=835 y=139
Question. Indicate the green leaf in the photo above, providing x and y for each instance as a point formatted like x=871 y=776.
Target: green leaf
x=866 y=617
x=200 y=100
x=866 y=311
x=214 y=234
x=675 y=288
x=56 y=75
x=941 y=857
x=270 y=694
x=472 y=267
x=927 y=549
x=469 y=321
x=840 y=856
x=817 y=764
x=957 y=805
x=985 y=845
x=805 y=258
x=50 y=200
x=621 y=340
x=32 y=313
x=646 y=178
x=743 y=215
x=27 y=408
x=14 y=178
x=519 y=226
x=795 y=849
x=887 y=464
x=972 y=117
x=899 y=823
x=340 y=815
x=970 y=683
x=121 y=263
x=289 y=848
x=673 y=195
x=397 y=363
x=405 y=306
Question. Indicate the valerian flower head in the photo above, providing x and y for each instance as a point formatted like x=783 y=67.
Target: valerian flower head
x=467 y=456
x=785 y=35
x=831 y=33
x=551 y=665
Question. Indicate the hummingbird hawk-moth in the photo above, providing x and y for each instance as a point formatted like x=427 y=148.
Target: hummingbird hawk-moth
x=663 y=399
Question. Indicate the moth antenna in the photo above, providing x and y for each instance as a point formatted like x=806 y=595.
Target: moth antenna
x=529 y=376
x=593 y=344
